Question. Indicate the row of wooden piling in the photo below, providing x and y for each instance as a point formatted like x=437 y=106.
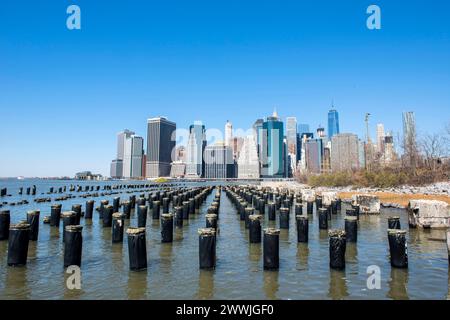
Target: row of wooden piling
x=250 y=204
x=184 y=201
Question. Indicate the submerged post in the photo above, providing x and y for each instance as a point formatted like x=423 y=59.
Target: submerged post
x=19 y=236
x=166 y=227
x=394 y=222
x=302 y=228
x=55 y=215
x=254 y=230
x=271 y=248
x=398 y=248
x=351 y=228
x=117 y=227
x=137 y=250
x=142 y=216
x=323 y=218
x=207 y=248
x=5 y=220
x=73 y=245
x=337 y=249
x=33 y=221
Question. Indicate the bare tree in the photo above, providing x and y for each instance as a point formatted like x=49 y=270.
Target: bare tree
x=433 y=147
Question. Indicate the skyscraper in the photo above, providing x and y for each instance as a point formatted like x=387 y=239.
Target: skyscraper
x=195 y=147
x=303 y=128
x=160 y=146
x=380 y=137
x=272 y=147
x=117 y=164
x=333 y=123
x=291 y=137
x=248 y=162
x=345 y=154
x=133 y=154
x=314 y=155
x=219 y=163
x=228 y=133
x=257 y=133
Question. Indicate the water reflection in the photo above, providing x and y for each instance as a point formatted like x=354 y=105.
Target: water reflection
x=302 y=256
x=338 y=285
x=271 y=285
x=254 y=252
x=137 y=285
x=351 y=252
x=398 y=284
x=166 y=257
x=16 y=283
x=205 y=284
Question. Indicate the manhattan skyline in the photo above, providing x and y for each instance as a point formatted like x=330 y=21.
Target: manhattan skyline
x=64 y=94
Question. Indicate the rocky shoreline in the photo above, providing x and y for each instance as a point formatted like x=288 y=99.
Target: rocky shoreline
x=391 y=197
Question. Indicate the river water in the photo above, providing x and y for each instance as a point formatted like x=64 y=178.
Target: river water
x=173 y=271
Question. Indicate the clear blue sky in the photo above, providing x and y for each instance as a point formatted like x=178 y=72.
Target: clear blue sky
x=65 y=94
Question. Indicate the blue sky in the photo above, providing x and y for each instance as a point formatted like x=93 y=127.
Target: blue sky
x=65 y=94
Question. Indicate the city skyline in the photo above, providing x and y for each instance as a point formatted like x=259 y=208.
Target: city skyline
x=64 y=94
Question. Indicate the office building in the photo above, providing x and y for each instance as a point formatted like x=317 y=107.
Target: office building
x=272 y=148
x=160 y=146
x=133 y=154
x=333 y=123
x=380 y=138
x=219 y=163
x=345 y=154
x=228 y=133
x=196 y=145
x=248 y=161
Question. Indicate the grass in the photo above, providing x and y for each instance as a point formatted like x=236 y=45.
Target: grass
x=401 y=199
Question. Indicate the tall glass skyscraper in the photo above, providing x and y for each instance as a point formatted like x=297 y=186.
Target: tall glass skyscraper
x=195 y=165
x=272 y=148
x=333 y=123
x=160 y=146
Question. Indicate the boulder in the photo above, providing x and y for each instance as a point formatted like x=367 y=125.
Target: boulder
x=428 y=214
x=327 y=197
x=308 y=195
x=369 y=204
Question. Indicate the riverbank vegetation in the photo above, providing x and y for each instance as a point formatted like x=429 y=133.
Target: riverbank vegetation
x=424 y=160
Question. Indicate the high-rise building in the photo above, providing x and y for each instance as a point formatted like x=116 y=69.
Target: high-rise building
x=121 y=138
x=196 y=145
x=380 y=138
x=228 y=133
x=389 y=154
x=320 y=132
x=257 y=133
x=314 y=149
x=133 y=154
x=248 y=161
x=272 y=148
x=303 y=128
x=333 y=123
x=291 y=139
x=116 y=169
x=160 y=146
x=236 y=146
x=117 y=164
x=219 y=163
x=180 y=154
x=345 y=152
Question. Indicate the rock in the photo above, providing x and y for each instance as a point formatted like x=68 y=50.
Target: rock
x=428 y=214
x=369 y=204
x=308 y=195
x=327 y=197
x=448 y=245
